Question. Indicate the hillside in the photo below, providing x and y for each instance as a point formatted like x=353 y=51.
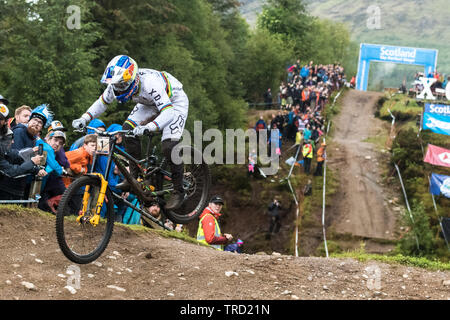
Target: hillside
x=415 y=23
x=142 y=264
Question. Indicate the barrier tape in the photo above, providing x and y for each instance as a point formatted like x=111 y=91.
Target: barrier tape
x=323 y=206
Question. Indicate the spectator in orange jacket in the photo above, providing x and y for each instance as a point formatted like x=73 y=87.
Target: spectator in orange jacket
x=80 y=158
x=321 y=156
x=208 y=227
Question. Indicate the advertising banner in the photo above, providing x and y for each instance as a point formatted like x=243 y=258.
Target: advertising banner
x=387 y=53
x=439 y=109
x=437 y=156
x=436 y=123
x=440 y=184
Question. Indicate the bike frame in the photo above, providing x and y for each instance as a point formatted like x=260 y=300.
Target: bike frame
x=114 y=151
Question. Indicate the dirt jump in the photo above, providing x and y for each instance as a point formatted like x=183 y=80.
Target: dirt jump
x=143 y=264
x=147 y=265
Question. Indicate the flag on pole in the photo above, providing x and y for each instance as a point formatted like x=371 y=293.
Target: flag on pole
x=437 y=156
x=440 y=184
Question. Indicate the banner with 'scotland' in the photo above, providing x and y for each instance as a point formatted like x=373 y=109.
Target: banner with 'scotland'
x=440 y=184
x=436 y=117
x=439 y=109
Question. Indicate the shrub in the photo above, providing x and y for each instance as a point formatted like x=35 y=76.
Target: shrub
x=419 y=231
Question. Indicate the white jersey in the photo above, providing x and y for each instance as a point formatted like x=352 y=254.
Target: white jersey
x=159 y=94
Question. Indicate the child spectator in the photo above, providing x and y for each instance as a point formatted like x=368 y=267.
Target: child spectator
x=252 y=162
x=60 y=154
x=235 y=247
x=52 y=185
x=81 y=158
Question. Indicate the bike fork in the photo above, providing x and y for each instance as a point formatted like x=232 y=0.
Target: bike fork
x=101 y=198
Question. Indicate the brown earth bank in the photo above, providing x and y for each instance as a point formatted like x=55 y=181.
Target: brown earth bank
x=146 y=265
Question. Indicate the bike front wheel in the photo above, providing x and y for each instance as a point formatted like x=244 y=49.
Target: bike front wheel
x=82 y=234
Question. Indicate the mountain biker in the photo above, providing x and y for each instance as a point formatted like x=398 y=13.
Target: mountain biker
x=161 y=105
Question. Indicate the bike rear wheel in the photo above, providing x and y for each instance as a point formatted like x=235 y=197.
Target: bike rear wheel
x=196 y=183
x=82 y=241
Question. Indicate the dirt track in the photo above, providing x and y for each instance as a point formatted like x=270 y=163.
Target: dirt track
x=362 y=209
x=145 y=265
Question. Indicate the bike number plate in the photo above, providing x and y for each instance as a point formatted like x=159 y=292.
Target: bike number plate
x=102 y=145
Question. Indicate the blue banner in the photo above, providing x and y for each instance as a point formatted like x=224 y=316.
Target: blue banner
x=440 y=109
x=393 y=54
x=436 y=123
x=440 y=184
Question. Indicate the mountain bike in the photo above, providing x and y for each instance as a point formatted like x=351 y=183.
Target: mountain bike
x=85 y=216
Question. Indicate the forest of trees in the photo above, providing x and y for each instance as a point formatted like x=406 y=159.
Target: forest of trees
x=45 y=57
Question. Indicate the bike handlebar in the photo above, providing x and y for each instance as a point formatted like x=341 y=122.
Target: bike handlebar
x=128 y=133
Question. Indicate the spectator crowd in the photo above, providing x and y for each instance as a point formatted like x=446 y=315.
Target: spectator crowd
x=36 y=163
x=299 y=121
x=437 y=88
x=300 y=102
x=35 y=166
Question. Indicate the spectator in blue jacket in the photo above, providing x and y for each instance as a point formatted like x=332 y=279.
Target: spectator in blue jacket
x=52 y=185
x=102 y=161
x=60 y=155
x=115 y=177
x=260 y=126
x=235 y=247
x=307 y=133
x=304 y=73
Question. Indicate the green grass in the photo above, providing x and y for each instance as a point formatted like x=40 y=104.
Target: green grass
x=19 y=210
x=396 y=259
x=379 y=140
x=402 y=107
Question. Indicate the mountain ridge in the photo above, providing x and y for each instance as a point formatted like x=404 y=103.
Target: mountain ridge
x=403 y=23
